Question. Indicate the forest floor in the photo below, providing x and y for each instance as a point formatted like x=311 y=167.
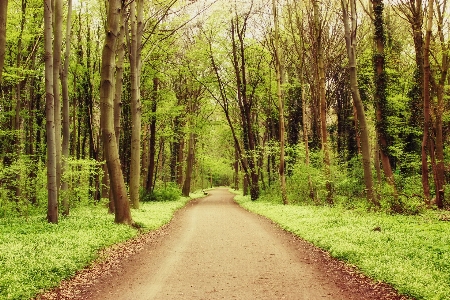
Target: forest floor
x=214 y=249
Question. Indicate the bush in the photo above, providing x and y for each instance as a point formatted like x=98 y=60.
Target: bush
x=170 y=192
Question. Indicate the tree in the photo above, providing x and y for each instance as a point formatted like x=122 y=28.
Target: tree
x=439 y=178
x=412 y=11
x=152 y=139
x=52 y=188
x=66 y=104
x=122 y=206
x=245 y=100
x=57 y=45
x=380 y=91
x=349 y=19
x=135 y=167
x=280 y=104
x=426 y=102
x=3 y=17
x=322 y=94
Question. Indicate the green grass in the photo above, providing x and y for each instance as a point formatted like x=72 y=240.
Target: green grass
x=412 y=253
x=35 y=255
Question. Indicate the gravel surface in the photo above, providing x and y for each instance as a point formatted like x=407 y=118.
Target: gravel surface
x=214 y=249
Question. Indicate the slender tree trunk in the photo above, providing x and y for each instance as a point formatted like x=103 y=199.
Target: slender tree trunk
x=57 y=46
x=122 y=206
x=280 y=105
x=245 y=102
x=118 y=85
x=426 y=103
x=152 y=139
x=17 y=122
x=3 y=18
x=189 y=166
x=380 y=93
x=376 y=158
x=190 y=157
x=180 y=164
x=120 y=52
x=135 y=167
x=65 y=116
x=245 y=185
x=350 y=41
x=322 y=100
x=439 y=180
x=299 y=47
x=416 y=22
x=236 y=169
x=52 y=206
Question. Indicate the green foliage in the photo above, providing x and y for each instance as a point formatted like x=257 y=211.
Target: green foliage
x=80 y=175
x=35 y=255
x=168 y=192
x=23 y=191
x=20 y=187
x=409 y=252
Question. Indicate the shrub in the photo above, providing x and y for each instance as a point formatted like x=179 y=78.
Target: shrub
x=169 y=192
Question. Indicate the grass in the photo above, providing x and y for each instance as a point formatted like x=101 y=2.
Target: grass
x=412 y=253
x=35 y=255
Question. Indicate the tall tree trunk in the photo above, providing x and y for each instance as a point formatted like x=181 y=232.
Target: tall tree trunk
x=3 y=18
x=180 y=163
x=280 y=104
x=52 y=205
x=299 y=48
x=412 y=11
x=236 y=169
x=426 y=103
x=439 y=180
x=189 y=166
x=152 y=139
x=190 y=155
x=17 y=122
x=135 y=167
x=380 y=93
x=245 y=102
x=120 y=52
x=118 y=85
x=350 y=41
x=65 y=115
x=57 y=45
x=322 y=100
x=122 y=206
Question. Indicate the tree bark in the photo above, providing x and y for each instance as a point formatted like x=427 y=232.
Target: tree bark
x=65 y=115
x=189 y=166
x=57 y=48
x=426 y=103
x=322 y=100
x=135 y=167
x=280 y=105
x=122 y=206
x=439 y=180
x=236 y=169
x=152 y=139
x=52 y=204
x=350 y=41
x=380 y=93
x=3 y=18
x=245 y=103
x=118 y=85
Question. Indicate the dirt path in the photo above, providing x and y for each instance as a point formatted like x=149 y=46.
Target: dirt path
x=213 y=249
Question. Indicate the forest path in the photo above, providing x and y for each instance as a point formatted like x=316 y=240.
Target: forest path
x=214 y=249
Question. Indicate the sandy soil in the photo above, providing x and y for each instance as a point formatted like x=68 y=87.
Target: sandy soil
x=214 y=249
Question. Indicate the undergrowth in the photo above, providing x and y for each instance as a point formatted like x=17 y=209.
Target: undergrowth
x=35 y=255
x=412 y=253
